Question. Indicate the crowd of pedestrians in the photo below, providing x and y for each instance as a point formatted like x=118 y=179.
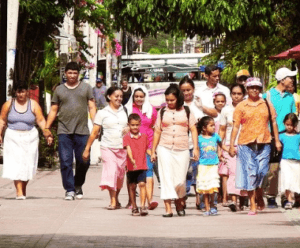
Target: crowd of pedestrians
x=227 y=144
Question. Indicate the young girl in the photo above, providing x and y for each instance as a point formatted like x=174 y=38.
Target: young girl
x=208 y=177
x=290 y=162
x=219 y=102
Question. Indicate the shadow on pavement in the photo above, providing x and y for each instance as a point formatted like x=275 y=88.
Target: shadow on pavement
x=122 y=241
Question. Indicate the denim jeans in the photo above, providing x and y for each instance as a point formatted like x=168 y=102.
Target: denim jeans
x=68 y=145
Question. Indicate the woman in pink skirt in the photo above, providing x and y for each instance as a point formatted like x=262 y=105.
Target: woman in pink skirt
x=237 y=92
x=113 y=122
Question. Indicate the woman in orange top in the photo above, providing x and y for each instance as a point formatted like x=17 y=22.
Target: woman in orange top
x=254 y=147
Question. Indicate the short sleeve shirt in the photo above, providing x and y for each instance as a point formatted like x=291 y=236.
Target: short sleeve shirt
x=99 y=94
x=174 y=128
x=254 y=120
x=138 y=147
x=209 y=149
x=206 y=94
x=226 y=119
x=73 y=108
x=284 y=103
x=113 y=124
x=291 y=144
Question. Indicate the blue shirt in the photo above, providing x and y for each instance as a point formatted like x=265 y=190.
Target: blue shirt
x=291 y=144
x=284 y=103
x=209 y=149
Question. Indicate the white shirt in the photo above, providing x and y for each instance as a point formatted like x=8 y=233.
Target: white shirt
x=226 y=119
x=112 y=123
x=198 y=113
x=206 y=94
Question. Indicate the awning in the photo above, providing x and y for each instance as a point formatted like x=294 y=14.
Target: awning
x=292 y=53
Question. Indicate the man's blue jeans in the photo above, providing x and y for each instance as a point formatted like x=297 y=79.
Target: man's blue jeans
x=68 y=145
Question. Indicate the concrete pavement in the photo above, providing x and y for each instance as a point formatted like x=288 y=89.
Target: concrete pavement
x=44 y=219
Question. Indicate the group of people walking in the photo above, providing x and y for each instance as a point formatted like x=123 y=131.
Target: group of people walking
x=198 y=138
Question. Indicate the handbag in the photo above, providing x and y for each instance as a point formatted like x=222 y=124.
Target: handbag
x=275 y=156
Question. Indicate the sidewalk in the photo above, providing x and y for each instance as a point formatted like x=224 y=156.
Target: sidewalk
x=46 y=220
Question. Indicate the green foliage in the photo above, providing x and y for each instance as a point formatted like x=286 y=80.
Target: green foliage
x=154 y=50
x=163 y=42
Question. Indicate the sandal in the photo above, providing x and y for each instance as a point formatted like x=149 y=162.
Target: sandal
x=252 y=213
x=110 y=207
x=143 y=211
x=135 y=212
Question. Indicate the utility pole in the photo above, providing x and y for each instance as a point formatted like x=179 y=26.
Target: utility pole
x=3 y=47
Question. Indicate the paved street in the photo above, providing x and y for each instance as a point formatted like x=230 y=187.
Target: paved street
x=46 y=220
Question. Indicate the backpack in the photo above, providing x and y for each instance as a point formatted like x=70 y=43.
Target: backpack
x=187 y=111
x=101 y=131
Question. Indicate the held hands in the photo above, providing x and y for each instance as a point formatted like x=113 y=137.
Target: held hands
x=125 y=131
x=196 y=154
x=232 y=151
x=153 y=157
x=48 y=136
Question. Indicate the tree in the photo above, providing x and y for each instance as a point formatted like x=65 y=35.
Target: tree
x=252 y=29
x=39 y=20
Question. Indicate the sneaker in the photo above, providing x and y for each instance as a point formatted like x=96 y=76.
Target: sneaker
x=213 y=211
x=272 y=203
x=79 y=193
x=288 y=206
x=232 y=207
x=135 y=212
x=70 y=196
x=21 y=197
x=206 y=214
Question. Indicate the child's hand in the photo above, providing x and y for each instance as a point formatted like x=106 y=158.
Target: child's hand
x=125 y=131
x=222 y=159
x=232 y=151
x=153 y=157
x=196 y=154
x=85 y=155
x=133 y=163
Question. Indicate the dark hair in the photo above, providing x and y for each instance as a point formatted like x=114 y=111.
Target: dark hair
x=174 y=89
x=134 y=116
x=21 y=85
x=242 y=87
x=210 y=68
x=203 y=122
x=219 y=94
x=110 y=91
x=187 y=80
x=291 y=117
x=139 y=89
x=72 y=66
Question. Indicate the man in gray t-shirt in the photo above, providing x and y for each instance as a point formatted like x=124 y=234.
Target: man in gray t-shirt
x=71 y=102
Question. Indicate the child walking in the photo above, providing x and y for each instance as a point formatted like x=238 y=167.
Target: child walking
x=137 y=145
x=290 y=162
x=208 y=180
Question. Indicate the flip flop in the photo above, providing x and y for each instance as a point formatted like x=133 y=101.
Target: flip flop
x=252 y=213
x=153 y=205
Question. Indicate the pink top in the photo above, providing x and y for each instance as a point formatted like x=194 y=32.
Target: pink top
x=147 y=124
x=174 y=129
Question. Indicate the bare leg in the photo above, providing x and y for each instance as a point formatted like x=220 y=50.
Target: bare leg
x=168 y=206
x=206 y=202
x=260 y=199
x=128 y=190
x=19 y=189
x=132 y=196
x=113 y=198
x=149 y=189
x=234 y=198
x=251 y=195
x=197 y=196
x=224 y=188
x=24 y=185
x=143 y=193
x=117 y=195
x=288 y=195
